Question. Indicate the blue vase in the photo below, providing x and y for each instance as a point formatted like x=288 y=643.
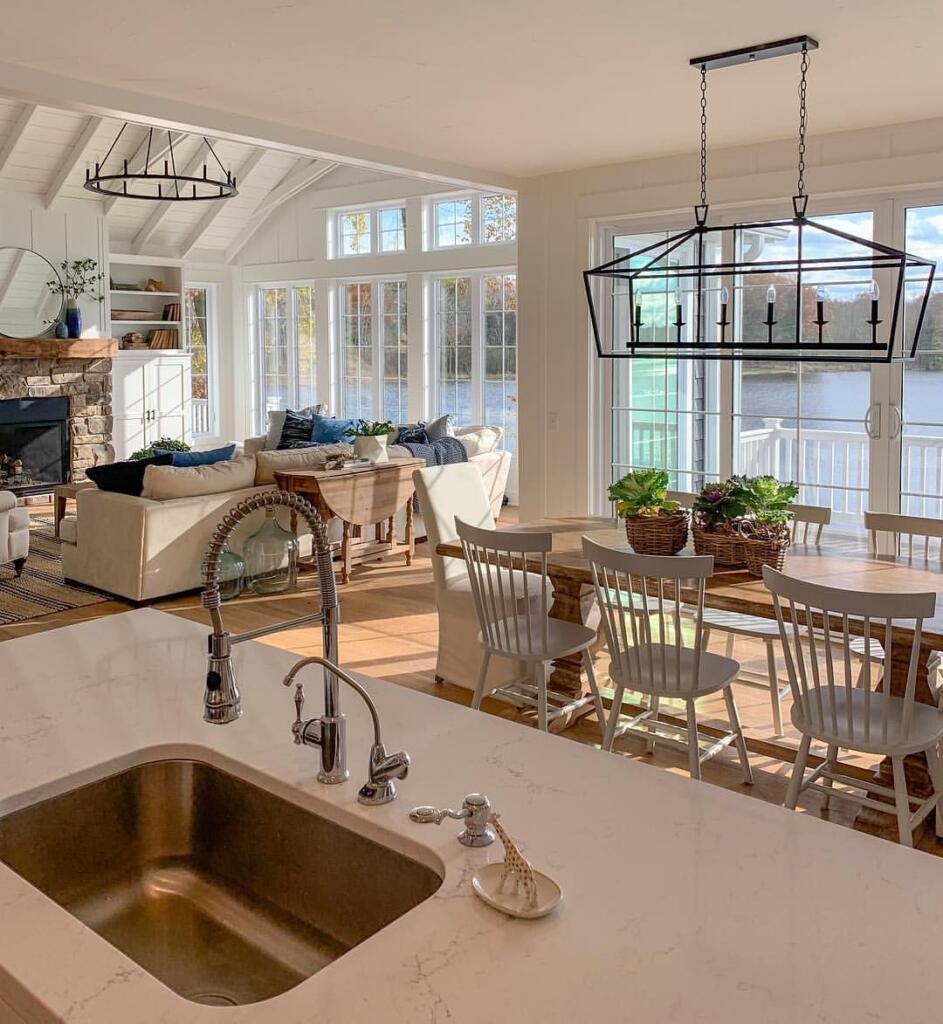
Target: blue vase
x=73 y=319
x=61 y=330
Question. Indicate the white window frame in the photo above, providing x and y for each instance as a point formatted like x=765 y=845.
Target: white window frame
x=499 y=195
x=376 y=339
x=212 y=355
x=373 y=212
x=477 y=228
x=476 y=293
x=294 y=400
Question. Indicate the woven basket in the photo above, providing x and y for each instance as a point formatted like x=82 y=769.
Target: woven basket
x=664 y=534
x=760 y=551
x=727 y=548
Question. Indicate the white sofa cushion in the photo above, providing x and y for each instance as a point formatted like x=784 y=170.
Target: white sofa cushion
x=267 y=463
x=480 y=441
x=164 y=483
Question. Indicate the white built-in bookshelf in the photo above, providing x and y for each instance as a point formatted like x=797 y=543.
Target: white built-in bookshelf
x=145 y=298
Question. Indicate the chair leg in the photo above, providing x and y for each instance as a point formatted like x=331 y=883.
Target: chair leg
x=831 y=757
x=594 y=689
x=798 y=772
x=904 y=830
x=728 y=646
x=614 y=716
x=540 y=679
x=482 y=677
x=935 y=763
x=653 y=703
x=694 y=753
x=705 y=637
x=739 y=740
x=774 y=689
x=18 y=564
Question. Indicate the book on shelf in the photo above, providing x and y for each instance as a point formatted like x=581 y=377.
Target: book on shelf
x=164 y=338
x=171 y=311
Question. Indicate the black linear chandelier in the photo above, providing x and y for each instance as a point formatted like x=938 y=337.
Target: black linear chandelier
x=162 y=181
x=794 y=289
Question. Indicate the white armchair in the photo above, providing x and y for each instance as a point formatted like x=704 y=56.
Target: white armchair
x=14 y=532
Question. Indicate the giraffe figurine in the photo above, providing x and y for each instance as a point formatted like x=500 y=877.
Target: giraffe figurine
x=516 y=867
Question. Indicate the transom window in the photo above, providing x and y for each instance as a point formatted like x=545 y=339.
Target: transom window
x=374 y=382
x=473 y=220
x=454 y=223
x=370 y=230
x=498 y=218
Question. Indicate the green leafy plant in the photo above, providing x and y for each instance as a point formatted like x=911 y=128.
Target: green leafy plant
x=643 y=492
x=79 y=277
x=372 y=428
x=766 y=499
x=167 y=444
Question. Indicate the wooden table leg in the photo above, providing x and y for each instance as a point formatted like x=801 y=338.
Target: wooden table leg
x=410 y=539
x=572 y=602
x=919 y=783
x=58 y=513
x=345 y=552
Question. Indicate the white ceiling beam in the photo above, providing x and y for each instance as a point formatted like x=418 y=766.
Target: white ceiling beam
x=11 y=274
x=160 y=147
x=16 y=133
x=216 y=207
x=298 y=179
x=72 y=161
x=161 y=209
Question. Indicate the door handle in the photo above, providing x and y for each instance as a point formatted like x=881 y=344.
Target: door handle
x=897 y=422
x=872 y=421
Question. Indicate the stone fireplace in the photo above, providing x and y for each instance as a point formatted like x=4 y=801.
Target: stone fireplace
x=77 y=374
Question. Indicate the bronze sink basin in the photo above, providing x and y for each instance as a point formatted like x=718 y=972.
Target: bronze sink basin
x=225 y=892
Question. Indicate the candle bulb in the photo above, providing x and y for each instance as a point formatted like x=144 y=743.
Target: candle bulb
x=677 y=307
x=820 y=305
x=875 y=295
x=770 y=303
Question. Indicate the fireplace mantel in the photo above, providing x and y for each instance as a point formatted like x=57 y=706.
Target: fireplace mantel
x=58 y=348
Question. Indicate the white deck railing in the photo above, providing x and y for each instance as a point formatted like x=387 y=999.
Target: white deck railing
x=200 y=416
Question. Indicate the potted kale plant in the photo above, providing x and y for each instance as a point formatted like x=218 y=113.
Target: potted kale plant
x=766 y=532
x=654 y=524
x=370 y=438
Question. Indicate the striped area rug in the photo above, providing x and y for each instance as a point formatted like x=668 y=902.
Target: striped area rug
x=41 y=590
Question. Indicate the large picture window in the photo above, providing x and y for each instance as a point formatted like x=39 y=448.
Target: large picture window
x=200 y=328
x=475 y=318
x=373 y=354
x=286 y=324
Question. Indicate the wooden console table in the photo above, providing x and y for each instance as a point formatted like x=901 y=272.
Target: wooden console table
x=360 y=496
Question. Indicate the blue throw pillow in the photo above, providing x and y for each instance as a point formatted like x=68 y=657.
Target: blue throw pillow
x=223 y=454
x=297 y=427
x=125 y=477
x=412 y=435
x=328 y=430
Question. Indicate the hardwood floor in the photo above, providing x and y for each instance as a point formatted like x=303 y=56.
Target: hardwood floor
x=389 y=630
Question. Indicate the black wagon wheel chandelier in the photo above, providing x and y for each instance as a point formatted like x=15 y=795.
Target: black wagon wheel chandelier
x=158 y=178
x=699 y=293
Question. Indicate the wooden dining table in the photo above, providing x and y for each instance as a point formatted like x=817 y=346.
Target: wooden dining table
x=735 y=590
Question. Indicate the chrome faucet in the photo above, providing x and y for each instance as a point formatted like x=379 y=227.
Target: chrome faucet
x=222 y=701
x=382 y=768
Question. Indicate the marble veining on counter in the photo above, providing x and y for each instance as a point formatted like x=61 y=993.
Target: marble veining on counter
x=682 y=902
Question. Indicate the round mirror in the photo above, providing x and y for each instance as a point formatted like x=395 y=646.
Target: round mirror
x=28 y=307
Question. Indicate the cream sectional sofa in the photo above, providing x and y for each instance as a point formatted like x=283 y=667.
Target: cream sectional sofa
x=145 y=548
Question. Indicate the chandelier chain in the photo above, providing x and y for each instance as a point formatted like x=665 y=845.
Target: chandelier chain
x=703 y=135
x=803 y=120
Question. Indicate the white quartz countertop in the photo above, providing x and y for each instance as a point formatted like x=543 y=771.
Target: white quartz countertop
x=682 y=902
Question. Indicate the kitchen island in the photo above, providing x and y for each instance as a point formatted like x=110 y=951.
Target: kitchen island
x=682 y=902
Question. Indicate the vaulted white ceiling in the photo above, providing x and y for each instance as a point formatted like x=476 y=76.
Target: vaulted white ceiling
x=44 y=153
x=505 y=85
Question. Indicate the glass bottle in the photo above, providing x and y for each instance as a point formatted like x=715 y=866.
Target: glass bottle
x=271 y=557
x=232 y=574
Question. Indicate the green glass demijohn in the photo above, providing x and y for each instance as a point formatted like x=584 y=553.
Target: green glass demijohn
x=271 y=557
x=232 y=574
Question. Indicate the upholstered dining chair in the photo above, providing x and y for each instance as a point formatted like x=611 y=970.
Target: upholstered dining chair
x=657 y=651
x=445 y=492
x=515 y=628
x=14 y=532
x=832 y=706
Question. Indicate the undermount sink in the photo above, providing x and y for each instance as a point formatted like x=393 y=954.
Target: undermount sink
x=225 y=892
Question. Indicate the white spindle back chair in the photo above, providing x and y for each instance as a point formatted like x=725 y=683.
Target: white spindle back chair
x=905 y=530
x=653 y=648
x=520 y=629
x=817 y=624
